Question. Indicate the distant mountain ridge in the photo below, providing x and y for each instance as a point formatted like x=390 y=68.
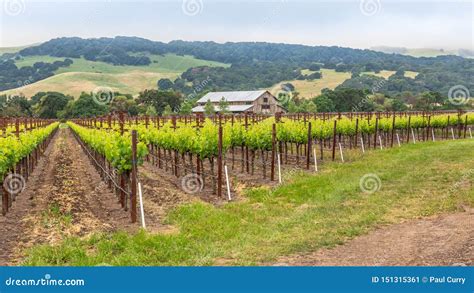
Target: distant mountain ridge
x=424 y=52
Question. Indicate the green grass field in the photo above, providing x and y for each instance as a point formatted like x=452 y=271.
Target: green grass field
x=169 y=63
x=84 y=75
x=307 y=213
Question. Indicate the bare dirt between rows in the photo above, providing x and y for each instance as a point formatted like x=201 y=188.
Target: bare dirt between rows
x=64 y=197
x=445 y=240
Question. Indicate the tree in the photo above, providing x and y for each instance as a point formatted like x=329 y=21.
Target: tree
x=292 y=107
x=307 y=106
x=186 y=108
x=165 y=84
x=315 y=75
x=160 y=99
x=398 y=105
x=124 y=104
x=314 y=67
x=311 y=107
x=15 y=106
x=167 y=111
x=223 y=106
x=348 y=100
x=50 y=104
x=151 y=111
x=209 y=108
x=428 y=101
x=324 y=104
x=84 y=106
x=288 y=87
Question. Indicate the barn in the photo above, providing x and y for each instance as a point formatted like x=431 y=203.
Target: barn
x=258 y=102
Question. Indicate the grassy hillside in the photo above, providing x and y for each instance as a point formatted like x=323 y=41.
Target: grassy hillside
x=311 y=88
x=160 y=64
x=310 y=212
x=331 y=79
x=383 y=73
x=84 y=75
x=387 y=73
x=73 y=83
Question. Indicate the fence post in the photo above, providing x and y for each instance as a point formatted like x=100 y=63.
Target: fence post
x=356 y=132
x=17 y=127
x=376 y=131
x=4 y=200
x=133 y=196
x=121 y=122
x=393 y=129
x=308 y=153
x=219 y=164
x=409 y=127
x=465 y=127
x=334 y=140
x=273 y=151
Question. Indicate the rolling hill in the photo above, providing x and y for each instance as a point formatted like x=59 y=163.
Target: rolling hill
x=131 y=65
x=86 y=75
x=330 y=79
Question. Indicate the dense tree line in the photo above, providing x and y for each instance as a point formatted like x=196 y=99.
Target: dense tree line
x=111 y=50
x=12 y=77
x=362 y=100
x=58 y=106
x=159 y=102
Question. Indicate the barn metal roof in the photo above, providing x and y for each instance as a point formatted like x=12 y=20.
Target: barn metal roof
x=239 y=96
x=231 y=108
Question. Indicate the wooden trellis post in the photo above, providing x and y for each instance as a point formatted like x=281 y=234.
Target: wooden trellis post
x=133 y=195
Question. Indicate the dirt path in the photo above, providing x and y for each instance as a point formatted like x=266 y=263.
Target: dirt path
x=438 y=241
x=63 y=197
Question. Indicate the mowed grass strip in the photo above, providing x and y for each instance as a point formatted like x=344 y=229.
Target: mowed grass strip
x=307 y=213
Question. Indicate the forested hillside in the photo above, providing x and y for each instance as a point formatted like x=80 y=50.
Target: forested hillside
x=260 y=65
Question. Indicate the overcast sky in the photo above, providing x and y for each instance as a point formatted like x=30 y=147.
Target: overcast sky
x=360 y=24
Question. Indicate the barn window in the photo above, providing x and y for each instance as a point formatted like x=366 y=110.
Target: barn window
x=265 y=100
x=265 y=107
